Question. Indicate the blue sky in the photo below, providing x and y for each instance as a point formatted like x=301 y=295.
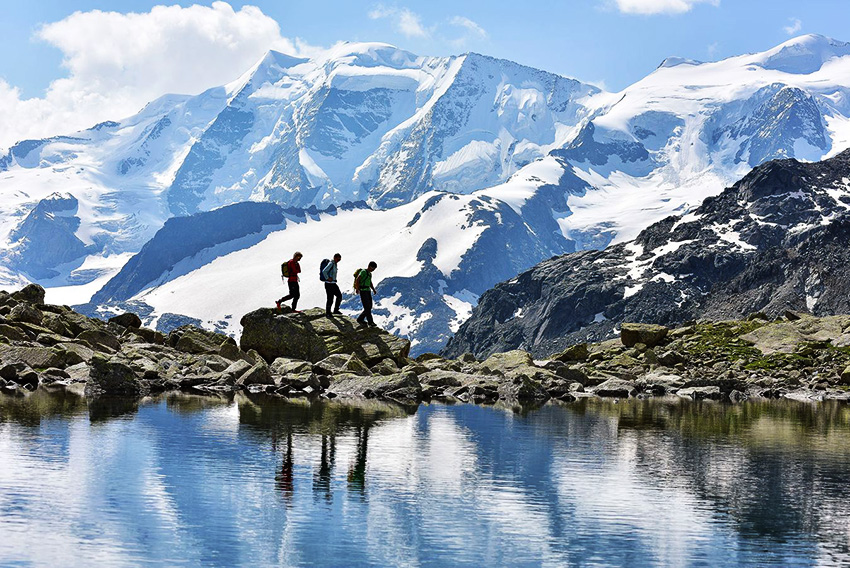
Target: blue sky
x=59 y=67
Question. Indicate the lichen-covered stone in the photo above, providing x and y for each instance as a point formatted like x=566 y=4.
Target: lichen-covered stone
x=376 y=386
x=648 y=334
x=26 y=313
x=112 y=377
x=99 y=340
x=577 y=352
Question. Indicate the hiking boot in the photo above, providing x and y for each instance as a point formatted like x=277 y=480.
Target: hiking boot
x=373 y=324
x=337 y=312
x=362 y=323
x=277 y=303
x=329 y=314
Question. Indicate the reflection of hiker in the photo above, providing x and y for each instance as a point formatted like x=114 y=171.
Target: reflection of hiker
x=363 y=285
x=357 y=472
x=328 y=276
x=322 y=478
x=284 y=480
x=289 y=272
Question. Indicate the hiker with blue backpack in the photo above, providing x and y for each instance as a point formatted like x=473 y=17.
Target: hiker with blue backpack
x=289 y=271
x=328 y=275
x=363 y=286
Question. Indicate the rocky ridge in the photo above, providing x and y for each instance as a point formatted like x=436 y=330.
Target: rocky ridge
x=308 y=354
x=776 y=240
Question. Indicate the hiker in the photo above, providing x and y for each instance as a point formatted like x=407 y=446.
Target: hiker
x=289 y=272
x=328 y=273
x=363 y=285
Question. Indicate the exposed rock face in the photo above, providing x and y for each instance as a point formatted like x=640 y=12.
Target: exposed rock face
x=311 y=336
x=779 y=239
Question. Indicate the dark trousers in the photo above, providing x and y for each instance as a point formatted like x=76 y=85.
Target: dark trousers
x=294 y=293
x=366 y=298
x=332 y=290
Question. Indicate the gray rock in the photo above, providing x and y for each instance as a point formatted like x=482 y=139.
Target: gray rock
x=12 y=333
x=191 y=339
x=386 y=367
x=35 y=357
x=286 y=366
x=660 y=382
x=112 y=377
x=699 y=393
x=26 y=313
x=99 y=340
x=31 y=293
x=340 y=363
x=649 y=334
x=577 y=352
x=311 y=336
x=616 y=388
x=127 y=319
x=259 y=374
x=229 y=349
x=402 y=385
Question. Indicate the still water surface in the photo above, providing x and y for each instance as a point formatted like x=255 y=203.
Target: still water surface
x=199 y=481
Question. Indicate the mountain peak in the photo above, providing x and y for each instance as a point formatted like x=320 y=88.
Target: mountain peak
x=803 y=55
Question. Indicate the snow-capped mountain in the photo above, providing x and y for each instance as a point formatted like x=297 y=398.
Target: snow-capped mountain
x=511 y=156
x=777 y=240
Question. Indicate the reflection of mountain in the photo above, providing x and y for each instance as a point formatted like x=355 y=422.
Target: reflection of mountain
x=634 y=483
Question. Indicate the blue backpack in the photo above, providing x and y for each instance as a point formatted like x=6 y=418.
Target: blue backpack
x=322 y=267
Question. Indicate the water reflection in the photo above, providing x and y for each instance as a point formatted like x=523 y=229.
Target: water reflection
x=189 y=480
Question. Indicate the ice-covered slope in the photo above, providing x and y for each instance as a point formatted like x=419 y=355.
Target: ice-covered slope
x=689 y=129
x=435 y=255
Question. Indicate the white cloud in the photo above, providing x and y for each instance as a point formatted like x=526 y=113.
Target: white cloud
x=117 y=62
x=795 y=26
x=407 y=22
x=471 y=27
x=648 y=7
x=712 y=50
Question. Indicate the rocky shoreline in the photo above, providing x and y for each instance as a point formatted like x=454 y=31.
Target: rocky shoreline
x=798 y=356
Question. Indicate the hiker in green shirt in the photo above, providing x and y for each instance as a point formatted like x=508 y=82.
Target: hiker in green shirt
x=363 y=285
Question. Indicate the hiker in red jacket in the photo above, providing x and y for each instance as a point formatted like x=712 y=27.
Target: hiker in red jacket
x=289 y=273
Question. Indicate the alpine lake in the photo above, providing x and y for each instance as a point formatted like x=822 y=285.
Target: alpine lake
x=183 y=480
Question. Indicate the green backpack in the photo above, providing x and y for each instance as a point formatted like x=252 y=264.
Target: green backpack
x=284 y=269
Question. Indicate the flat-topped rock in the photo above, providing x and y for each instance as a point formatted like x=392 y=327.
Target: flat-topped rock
x=312 y=336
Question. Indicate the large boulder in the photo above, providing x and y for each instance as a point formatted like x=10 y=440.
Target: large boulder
x=191 y=339
x=26 y=313
x=127 y=319
x=35 y=357
x=31 y=293
x=399 y=386
x=312 y=336
x=112 y=377
x=259 y=374
x=649 y=334
x=99 y=340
